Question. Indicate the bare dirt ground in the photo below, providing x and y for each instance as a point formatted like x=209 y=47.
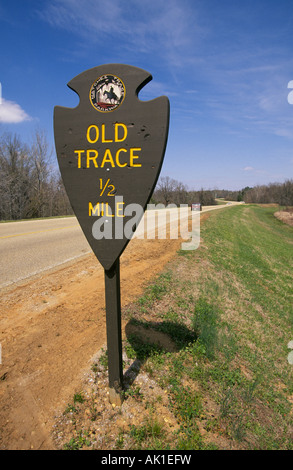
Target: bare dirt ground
x=51 y=327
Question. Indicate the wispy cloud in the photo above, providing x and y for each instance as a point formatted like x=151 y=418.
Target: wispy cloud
x=83 y=17
x=236 y=77
x=12 y=113
x=158 y=27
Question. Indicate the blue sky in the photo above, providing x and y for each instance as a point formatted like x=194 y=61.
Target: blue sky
x=225 y=66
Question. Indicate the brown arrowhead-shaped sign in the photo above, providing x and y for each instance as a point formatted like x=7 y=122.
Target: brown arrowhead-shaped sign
x=110 y=150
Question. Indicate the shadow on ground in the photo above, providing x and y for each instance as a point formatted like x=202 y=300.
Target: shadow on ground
x=151 y=338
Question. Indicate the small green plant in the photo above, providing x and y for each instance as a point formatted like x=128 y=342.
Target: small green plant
x=70 y=409
x=78 y=398
x=120 y=441
x=135 y=393
x=187 y=404
x=94 y=414
x=148 y=433
x=227 y=402
x=77 y=443
x=94 y=367
x=73 y=444
x=103 y=360
x=190 y=439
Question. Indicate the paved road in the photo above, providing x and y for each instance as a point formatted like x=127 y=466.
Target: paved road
x=31 y=247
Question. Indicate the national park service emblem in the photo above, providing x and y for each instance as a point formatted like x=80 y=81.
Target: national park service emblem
x=107 y=93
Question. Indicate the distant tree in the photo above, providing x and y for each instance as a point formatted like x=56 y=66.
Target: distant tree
x=180 y=195
x=29 y=185
x=40 y=160
x=15 y=174
x=60 y=202
x=171 y=191
x=165 y=190
x=286 y=198
x=206 y=198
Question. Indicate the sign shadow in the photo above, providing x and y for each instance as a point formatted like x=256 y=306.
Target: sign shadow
x=148 y=339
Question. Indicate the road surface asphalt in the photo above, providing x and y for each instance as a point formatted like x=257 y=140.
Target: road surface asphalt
x=31 y=247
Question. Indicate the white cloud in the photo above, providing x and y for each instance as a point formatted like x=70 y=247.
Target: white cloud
x=248 y=168
x=12 y=113
x=283 y=132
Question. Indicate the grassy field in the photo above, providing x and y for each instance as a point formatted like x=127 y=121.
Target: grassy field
x=225 y=314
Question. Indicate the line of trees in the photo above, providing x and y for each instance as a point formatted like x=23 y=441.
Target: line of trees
x=171 y=191
x=277 y=193
x=30 y=185
x=272 y=193
x=231 y=195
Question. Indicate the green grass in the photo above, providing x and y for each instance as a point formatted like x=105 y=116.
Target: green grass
x=234 y=297
x=151 y=432
x=224 y=316
x=155 y=291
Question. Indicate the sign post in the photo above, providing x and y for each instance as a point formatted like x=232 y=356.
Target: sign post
x=110 y=150
x=114 y=343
